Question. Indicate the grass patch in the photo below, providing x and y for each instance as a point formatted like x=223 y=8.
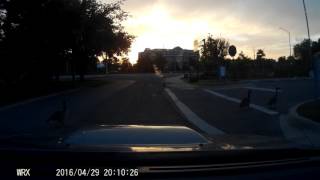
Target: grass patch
x=23 y=92
x=310 y=110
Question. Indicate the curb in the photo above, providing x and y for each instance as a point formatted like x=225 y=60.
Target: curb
x=277 y=79
x=299 y=129
x=299 y=121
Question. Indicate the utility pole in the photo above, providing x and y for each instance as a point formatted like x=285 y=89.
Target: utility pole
x=254 y=53
x=306 y=14
x=287 y=31
x=316 y=78
x=307 y=21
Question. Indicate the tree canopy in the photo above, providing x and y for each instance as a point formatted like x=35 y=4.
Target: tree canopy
x=39 y=36
x=260 y=54
x=213 y=51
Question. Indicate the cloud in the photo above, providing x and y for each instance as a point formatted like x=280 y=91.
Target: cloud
x=246 y=23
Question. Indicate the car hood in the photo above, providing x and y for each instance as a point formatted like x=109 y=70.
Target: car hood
x=163 y=138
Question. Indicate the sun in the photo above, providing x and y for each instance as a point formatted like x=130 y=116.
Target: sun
x=147 y=28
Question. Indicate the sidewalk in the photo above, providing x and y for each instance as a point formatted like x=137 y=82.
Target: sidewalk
x=177 y=82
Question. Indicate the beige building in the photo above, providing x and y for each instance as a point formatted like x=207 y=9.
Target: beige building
x=177 y=58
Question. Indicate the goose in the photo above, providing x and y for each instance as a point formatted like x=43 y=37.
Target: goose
x=57 y=119
x=274 y=99
x=246 y=101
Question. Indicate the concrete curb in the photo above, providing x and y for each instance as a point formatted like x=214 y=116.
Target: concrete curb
x=276 y=79
x=305 y=130
x=302 y=122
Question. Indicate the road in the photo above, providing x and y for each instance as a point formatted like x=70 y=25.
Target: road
x=219 y=105
x=125 y=99
x=141 y=99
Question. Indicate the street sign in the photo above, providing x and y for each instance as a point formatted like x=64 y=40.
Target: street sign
x=232 y=51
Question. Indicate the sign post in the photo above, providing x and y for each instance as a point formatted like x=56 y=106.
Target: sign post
x=232 y=52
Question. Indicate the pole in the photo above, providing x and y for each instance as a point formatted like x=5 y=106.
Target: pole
x=306 y=14
x=307 y=21
x=289 y=33
x=290 y=44
x=310 y=53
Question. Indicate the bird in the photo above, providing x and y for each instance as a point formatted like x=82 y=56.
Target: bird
x=246 y=101
x=57 y=119
x=274 y=99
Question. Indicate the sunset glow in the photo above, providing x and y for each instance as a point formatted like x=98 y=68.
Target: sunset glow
x=167 y=24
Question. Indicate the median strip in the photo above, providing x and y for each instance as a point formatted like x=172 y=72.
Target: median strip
x=253 y=106
x=192 y=117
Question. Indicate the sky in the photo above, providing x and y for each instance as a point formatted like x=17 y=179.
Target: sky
x=247 y=24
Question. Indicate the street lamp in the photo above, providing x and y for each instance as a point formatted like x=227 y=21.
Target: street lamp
x=287 y=31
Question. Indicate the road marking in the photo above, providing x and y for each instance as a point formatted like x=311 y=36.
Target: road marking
x=253 y=106
x=192 y=117
x=262 y=89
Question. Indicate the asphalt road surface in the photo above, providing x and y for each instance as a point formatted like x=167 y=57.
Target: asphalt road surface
x=219 y=105
x=125 y=100
x=141 y=99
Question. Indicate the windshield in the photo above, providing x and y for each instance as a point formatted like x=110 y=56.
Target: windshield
x=230 y=74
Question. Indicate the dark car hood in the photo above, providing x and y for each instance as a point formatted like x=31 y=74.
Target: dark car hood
x=164 y=138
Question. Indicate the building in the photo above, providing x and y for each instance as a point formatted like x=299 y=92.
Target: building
x=177 y=58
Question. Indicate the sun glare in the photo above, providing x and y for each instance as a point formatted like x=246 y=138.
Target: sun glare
x=158 y=27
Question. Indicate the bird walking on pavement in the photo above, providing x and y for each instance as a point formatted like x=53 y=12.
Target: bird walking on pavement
x=57 y=119
x=274 y=99
x=246 y=101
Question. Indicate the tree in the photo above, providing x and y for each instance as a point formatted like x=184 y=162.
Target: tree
x=38 y=37
x=242 y=56
x=126 y=66
x=282 y=59
x=260 y=54
x=301 y=51
x=213 y=52
x=145 y=64
x=160 y=61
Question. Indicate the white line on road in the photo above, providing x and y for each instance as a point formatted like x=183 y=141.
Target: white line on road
x=262 y=89
x=192 y=117
x=253 y=106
